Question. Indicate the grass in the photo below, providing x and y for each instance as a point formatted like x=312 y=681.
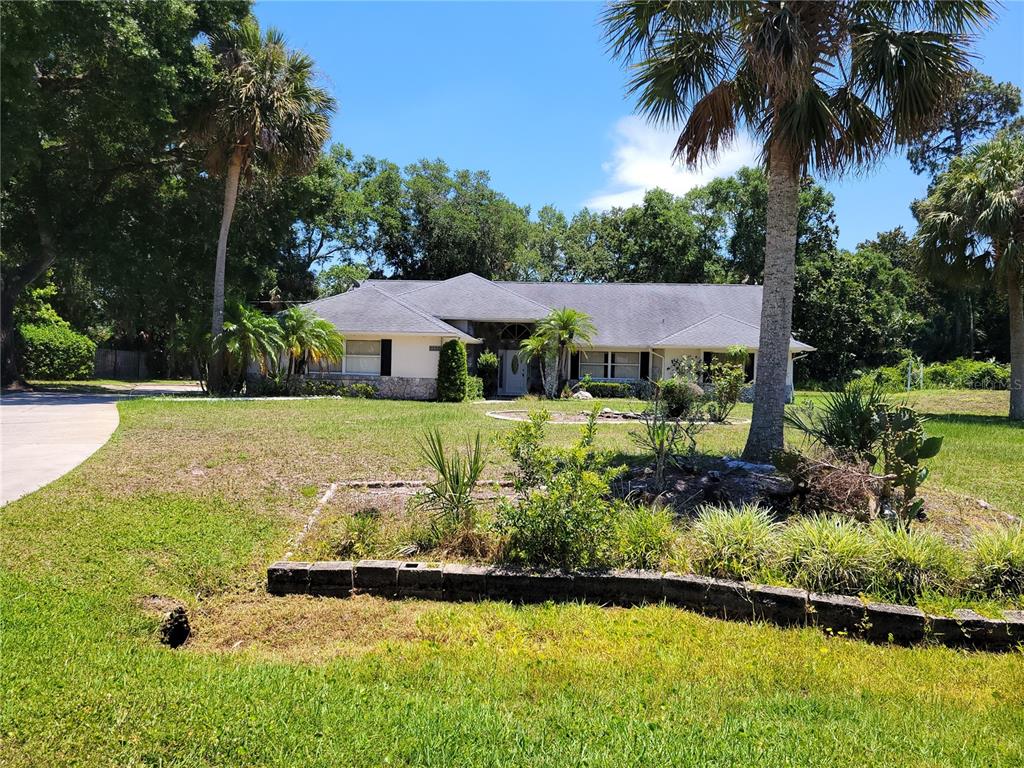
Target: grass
x=190 y=501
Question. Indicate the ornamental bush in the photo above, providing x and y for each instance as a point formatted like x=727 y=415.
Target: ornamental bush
x=474 y=388
x=56 y=352
x=681 y=397
x=451 y=372
x=487 y=368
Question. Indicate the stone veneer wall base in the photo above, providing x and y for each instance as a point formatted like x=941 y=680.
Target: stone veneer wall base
x=734 y=600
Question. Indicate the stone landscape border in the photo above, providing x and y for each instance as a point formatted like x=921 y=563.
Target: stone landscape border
x=720 y=598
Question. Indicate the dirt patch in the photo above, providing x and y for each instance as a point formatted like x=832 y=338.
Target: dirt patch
x=305 y=629
x=159 y=604
x=958 y=518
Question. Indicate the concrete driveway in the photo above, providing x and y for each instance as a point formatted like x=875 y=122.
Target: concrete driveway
x=43 y=435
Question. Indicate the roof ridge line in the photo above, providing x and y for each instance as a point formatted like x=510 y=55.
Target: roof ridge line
x=416 y=310
x=694 y=325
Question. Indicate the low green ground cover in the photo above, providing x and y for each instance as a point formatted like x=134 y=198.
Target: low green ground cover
x=190 y=500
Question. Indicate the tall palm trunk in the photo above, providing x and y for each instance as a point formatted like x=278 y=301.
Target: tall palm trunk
x=234 y=174
x=1016 y=301
x=776 y=306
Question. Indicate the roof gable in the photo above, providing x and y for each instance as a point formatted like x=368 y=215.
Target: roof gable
x=368 y=309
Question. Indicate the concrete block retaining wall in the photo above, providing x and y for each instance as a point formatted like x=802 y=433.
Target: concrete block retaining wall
x=734 y=600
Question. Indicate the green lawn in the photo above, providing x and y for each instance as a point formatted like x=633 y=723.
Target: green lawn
x=190 y=500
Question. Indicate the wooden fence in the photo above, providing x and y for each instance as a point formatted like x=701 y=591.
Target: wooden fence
x=121 y=364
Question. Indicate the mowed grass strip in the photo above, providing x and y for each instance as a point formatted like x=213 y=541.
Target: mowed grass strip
x=190 y=501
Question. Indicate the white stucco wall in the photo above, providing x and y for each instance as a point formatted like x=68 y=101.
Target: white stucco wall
x=412 y=356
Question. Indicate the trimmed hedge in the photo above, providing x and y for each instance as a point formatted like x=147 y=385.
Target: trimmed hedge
x=452 y=372
x=609 y=389
x=474 y=388
x=56 y=352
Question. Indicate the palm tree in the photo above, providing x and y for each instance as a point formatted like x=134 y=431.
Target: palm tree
x=971 y=226
x=823 y=86
x=541 y=348
x=307 y=337
x=248 y=336
x=264 y=112
x=569 y=331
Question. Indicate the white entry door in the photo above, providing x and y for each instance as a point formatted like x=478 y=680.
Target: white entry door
x=513 y=374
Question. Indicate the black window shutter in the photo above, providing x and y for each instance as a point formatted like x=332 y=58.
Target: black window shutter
x=385 y=357
x=574 y=366
x=645 y=365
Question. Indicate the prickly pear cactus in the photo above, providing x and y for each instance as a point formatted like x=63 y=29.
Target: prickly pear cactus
x=904 y=446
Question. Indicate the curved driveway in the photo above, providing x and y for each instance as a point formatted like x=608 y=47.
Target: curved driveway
x=46 y=434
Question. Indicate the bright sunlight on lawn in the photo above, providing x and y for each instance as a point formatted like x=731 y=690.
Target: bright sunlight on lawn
x=190 y=500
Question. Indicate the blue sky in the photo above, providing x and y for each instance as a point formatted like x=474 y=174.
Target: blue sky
x=526 y=92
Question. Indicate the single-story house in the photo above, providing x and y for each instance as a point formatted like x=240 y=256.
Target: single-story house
x=394 y=328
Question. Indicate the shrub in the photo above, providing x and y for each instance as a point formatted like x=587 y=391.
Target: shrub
x=732 y=542
x=533 y=461
x=726 y=385
x=997 y=561
x=474 y=388
x=451 y=372
x=563 y=516
x=361 y=390
x=570 y=523
x=487 y=368
x=664 y=437
x=607 y=388
x=56 y=352
x=323 y=387
x=826 y=554
x=907 y=563
x=645 y=537
x=681 y=397
x=962 y=373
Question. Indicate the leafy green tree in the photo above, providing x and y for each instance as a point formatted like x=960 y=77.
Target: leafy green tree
x=93 y=94
x=542 y=348
x=975 y=110
x=733 y=212
x=972 y=225
x=339 y=278
x=264 y=111
x=857 y=309
x=823 y=86
x=308 y=338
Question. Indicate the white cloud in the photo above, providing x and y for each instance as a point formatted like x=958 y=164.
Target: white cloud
x=642 y=160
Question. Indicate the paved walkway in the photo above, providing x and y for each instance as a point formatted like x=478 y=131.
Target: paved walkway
x=43 y=435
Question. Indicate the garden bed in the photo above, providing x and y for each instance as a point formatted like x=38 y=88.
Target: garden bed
x=721 y=598
x=605 y=416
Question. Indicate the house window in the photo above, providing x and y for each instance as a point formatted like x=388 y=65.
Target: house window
x=594 y=365
x=610 y=365
x=362 y=357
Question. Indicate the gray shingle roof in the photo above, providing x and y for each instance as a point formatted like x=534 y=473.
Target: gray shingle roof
x=719 y=332
x=368 y=309
x=627 y=315
x=471 y=297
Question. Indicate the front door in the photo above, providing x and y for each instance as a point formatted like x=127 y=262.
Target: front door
x=513 y=374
